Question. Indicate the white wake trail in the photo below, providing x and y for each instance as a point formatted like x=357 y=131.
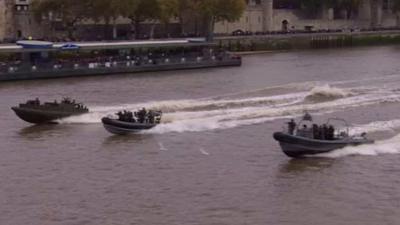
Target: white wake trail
x=202 y=121
x=206 y=114
x=376 y=126
x=390 y=146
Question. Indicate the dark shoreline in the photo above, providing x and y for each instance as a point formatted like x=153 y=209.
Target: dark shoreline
x=257 y=43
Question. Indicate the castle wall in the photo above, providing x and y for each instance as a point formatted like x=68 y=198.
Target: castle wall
x=268 y=11
x=295 y=22
x=390 y=19
x=370 y=15
x=6 y=19
x=252 y=20
x=2 y=20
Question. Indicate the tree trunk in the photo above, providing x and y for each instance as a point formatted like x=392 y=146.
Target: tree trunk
x=196 y=26
x=132 y=30
x=137 y=29
x=166 y=29
x=152 y=28
x=115 y=35
x=182 y=25
x=210 y=30
x=70 y=31
x=105 y=29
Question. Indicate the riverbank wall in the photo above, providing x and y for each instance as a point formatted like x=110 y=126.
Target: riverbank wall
x=307 y=41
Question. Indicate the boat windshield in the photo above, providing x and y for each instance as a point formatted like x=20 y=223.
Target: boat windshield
x=341 y=126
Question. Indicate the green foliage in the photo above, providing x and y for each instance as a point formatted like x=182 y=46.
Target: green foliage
x=73 y=12
x=69 y=12
x=216 y=10
x=222 y=10
x=167 y=9
x=110 y=9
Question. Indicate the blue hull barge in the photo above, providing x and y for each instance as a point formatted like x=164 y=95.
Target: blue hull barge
x=45 y=60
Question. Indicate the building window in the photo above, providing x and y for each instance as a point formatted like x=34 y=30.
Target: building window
x=387 y=4
x=287 y=4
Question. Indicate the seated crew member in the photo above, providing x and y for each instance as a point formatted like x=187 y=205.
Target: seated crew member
x=151 y=116
x=324 y=132
x=129 y=116
x=316 y=132
x=119 y=114
x=331 y=132
x=142 y=115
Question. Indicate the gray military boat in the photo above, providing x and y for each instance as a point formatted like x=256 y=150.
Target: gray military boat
x=307 y=138
x=33 y=111
x=128 y=122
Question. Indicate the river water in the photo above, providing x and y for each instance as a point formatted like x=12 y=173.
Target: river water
x=213 y=160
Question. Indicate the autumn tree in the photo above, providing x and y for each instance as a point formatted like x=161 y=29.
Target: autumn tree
x=109 y=11
x=188 y=10
x=220 y=10
x=168 y=9
x=183 y=8
x=144 y=10
x=68 y=12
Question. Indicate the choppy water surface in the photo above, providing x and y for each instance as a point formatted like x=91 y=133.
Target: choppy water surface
x=213 y=160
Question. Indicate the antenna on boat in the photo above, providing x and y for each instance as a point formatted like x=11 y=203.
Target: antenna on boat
x=307 y=116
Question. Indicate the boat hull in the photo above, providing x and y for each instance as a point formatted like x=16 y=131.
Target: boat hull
x=294 y=146
x=37 y=116
x=123 y=128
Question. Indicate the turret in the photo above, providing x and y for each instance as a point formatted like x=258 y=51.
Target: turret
x=268 y=11
x=364 y=10
x=6 y=19
x=376 y=13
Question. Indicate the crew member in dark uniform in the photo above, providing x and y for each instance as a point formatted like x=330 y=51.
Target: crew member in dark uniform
x=316 y=132
x=291 y=126
x=324 y=132
x=151 y=116
x=119 y=114
x=331 y=132
x=142 y=115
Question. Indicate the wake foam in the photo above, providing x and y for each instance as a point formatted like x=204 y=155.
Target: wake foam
x=224 y=113
x=390 y=146
x=377 y=126
x=326 y=92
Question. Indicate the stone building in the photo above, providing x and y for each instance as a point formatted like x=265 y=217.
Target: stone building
x=278 y=15
x=16 y=20
x=6 y=19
